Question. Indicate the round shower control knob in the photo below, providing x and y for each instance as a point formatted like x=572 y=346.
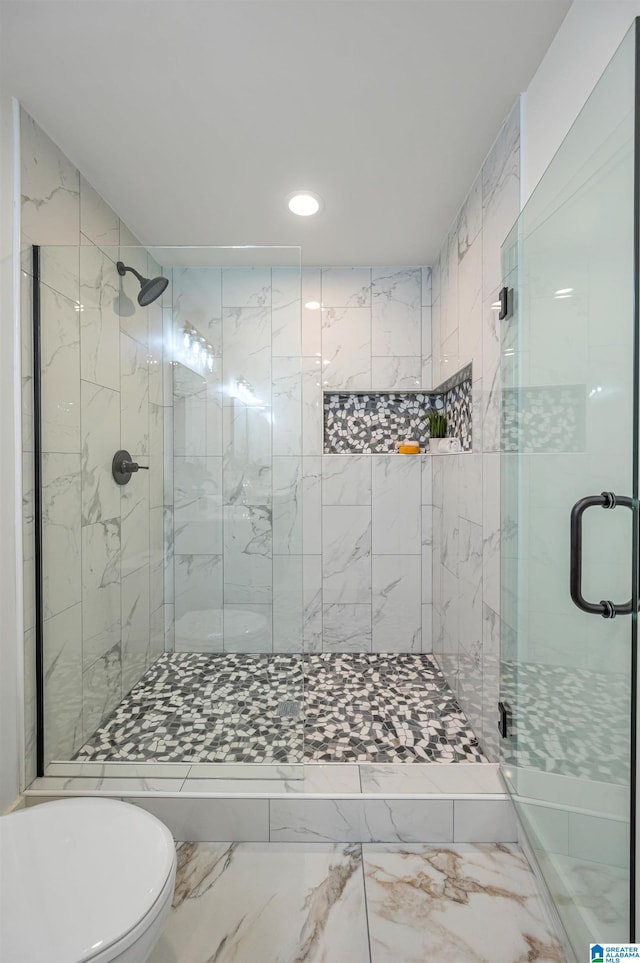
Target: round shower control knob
x=122 y=467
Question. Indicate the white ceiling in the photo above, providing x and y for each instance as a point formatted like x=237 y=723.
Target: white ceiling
x=196 y=118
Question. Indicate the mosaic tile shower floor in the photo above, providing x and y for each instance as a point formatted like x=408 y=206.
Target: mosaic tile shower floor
x=325 y=707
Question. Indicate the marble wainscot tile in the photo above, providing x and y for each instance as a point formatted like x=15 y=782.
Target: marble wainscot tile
x=61 y=535
x=246 y=363
x=60 y=371
x=463 y=778
x=397 y=607
x=198 y=603
x=426 y=902
x=47 y=176
x=346 y=539
x=100 y=440
x=361 y=820
x=250 y=902
x=198 y=505
x=288 y=606
x=346 y=480
x=197 y=299
x=490 y=821
x=318 y=780
x=134 y=381
x=287 y=406
x=209 y=820
x=62 y=647
x=346 y=628
x=396 y=527
x=99 y=320
x=286 y=339
x=346 y=350
x=312 y=595
x=98 y=223
x=246 y=287
x=395 y=312
x=107 y=784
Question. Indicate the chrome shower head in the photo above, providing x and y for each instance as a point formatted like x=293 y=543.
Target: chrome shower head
x=150 y=288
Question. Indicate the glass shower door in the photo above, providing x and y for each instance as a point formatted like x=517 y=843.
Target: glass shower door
x=569 y=431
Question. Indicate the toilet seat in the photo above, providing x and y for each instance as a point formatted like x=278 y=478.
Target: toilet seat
x=82 y=881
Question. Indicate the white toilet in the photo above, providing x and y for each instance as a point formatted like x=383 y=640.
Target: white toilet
x=83 y=881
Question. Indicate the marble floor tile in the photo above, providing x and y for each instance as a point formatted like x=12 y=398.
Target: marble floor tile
x=465 y=903
x=266 y=903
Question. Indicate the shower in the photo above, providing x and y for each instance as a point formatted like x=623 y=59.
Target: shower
x=150 y=288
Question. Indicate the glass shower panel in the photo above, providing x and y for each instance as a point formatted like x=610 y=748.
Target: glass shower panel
x=568 y=421
x=169 y=621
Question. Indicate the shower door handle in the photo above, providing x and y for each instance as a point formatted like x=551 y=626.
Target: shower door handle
x=608 y=610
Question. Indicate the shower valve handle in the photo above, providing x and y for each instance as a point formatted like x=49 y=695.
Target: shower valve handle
x=122 y=467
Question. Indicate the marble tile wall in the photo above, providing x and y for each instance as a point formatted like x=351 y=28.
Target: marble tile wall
x=102 y=385
x=366 y=517
x=466 y=487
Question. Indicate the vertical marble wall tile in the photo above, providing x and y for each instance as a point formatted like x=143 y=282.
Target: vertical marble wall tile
x=312 y=588
x=246 y=361
x=287 y=406
x=427 y=481
x=491 y=387
x=395 y=311
x=312 y=505
x=427 y=286
x=396 y=493
x=500 y=195
x=491 y=531
x=169 y=628
x=135 y=521
x=101 y=689
x=156 y=558
x=156 y=455
x=346 y=544
x=98 y=223
x=346 y=347
x=99 y=320
x=198 y=505
x=26 y=327
x=29 y=657
x=50 y=212
x=189 y=412
x=197 y=300
x=246 y=287
x=248 y=549
x=490 y=681
x=61 y=521
x=427 y=628
x=155 y=355
x=135 y=627
x=288 y=609
x=346 y=479
x=134 y=396
x=311 y=316
x=395 y=372
x=312 y=409
x=397 y=608
x=286 y=318
x=214 y=394
x=346 y=628
x=470 y=304
x=62 y=648
x=156 y=634
x=427 y=554
x=100 y=589
x=287 y=506
x=346 y=287
x=60 y=372
x=198 y=589
x=247 y=627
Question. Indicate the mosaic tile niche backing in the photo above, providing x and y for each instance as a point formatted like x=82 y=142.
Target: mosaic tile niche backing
x=374 y=422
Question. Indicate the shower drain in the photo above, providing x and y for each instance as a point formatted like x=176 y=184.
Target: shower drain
x=289 y=708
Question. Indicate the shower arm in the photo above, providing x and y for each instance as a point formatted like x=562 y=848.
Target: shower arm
x=122 y=270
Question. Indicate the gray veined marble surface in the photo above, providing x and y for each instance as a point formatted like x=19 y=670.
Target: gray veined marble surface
x=345 y=903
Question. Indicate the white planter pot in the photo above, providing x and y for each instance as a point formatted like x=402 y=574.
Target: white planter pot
x=433 y=446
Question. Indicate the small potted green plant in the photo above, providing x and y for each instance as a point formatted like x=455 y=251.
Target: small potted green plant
x=437 y=430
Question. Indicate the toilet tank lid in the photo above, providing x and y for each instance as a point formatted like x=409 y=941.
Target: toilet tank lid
x=77 y=876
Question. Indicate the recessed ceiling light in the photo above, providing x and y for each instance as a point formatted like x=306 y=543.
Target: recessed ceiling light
x=313 y=305
x=303 y=203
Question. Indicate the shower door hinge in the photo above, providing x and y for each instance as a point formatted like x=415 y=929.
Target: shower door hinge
x=505 y=719
x=506 y=303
